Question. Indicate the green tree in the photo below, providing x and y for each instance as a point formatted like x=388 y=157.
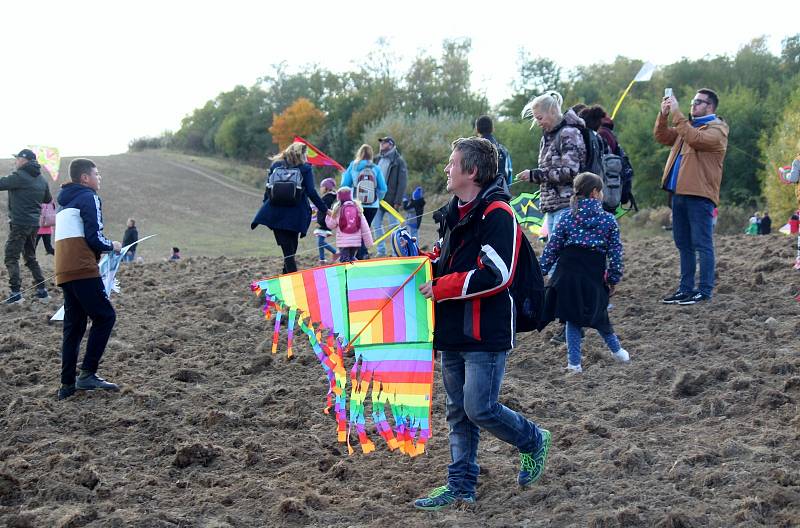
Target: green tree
x=780 y=145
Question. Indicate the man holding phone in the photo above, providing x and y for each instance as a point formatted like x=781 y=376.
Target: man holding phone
x=692 y=176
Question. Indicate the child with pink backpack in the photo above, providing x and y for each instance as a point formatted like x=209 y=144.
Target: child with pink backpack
x=347 y=219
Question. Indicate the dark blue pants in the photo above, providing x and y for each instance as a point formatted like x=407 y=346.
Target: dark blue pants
x=83 y=299
x=472 y=382
x=692 y=230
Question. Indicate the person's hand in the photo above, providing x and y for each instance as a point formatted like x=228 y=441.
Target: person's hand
x=523 y=176
x=427 y=290
x=612 y=289
x=117 y=246
x=673 y=104
x=665 y=106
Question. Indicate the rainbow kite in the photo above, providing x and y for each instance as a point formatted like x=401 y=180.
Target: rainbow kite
x=375 y=309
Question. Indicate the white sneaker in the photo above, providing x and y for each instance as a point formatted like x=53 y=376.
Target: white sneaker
x=621 y=355
x=573 y=369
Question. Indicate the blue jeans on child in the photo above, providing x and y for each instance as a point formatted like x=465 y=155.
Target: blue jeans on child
x=377 y=228
x=413 y=229
x=323 y=245
x=692 y=230
x=574 y=341
x=472 y=382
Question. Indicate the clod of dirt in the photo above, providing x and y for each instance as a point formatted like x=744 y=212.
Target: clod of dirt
x=770 y=265
x=293 y=511
x=597 y=428
x=677 y=520
x=222 y=315
x=76 y=519
x=9 y=490
x=792 y=384
x=772 y=399
x=688 y=385
x=11 y=343
x=196 y=454
x=88 y=478
x=23 y=520
x=187 y=376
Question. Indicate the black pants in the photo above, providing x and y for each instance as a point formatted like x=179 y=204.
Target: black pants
x=369 y=214
x=48 y=246
x=85 y=298
x=21 y=241
x=288 y=241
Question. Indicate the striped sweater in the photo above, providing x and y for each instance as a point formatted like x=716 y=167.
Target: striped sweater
x=79 y=235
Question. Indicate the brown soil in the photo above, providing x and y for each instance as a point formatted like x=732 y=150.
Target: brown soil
x=211 y=430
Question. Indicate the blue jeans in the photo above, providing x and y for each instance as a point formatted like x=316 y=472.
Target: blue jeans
x=129 y=256
x=322 y=245
x=472 y=382
x=551 y=221
x=574 y=341
x=377 y=229
x=692 y=230
x=413 y=229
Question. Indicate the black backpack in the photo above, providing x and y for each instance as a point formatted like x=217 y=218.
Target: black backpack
x=601 y=161
x=285 y=186
x=527 y=289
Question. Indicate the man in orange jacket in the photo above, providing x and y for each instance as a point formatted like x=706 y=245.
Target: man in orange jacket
x=692 y=176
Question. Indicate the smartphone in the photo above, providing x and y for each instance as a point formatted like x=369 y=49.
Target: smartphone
x=667 y=92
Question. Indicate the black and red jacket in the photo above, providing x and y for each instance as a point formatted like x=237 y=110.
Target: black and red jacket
x=474 y=264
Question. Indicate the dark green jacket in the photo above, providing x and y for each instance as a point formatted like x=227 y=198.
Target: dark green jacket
x=27 y=191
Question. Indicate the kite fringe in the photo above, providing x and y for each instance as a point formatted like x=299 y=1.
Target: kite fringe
x=330 y=351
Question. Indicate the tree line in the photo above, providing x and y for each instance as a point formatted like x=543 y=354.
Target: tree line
x=433 y=101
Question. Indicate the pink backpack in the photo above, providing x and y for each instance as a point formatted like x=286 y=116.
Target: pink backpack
x=349 y=218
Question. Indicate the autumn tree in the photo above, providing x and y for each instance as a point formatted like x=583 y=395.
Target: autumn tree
x=301 y=118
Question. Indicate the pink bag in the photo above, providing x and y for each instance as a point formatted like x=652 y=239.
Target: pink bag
x=47 y=218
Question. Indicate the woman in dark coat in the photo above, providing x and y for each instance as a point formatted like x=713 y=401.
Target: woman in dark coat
x=290 y=222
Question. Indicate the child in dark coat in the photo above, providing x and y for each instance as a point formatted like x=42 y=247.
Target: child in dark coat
x=415 y=208
x=586 y=244
x=327 y=190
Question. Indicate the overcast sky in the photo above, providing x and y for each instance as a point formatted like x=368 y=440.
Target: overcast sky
x=86 y=77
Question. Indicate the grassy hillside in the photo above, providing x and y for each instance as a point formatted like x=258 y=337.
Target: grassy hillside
x=201 y=205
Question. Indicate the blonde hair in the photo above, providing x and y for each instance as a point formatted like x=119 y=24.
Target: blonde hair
x=365 y=152
x=549 y=102
x=293 y=155
x=582 y=187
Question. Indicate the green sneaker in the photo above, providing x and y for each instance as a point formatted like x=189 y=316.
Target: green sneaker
x=532 y=464
x=442 y=497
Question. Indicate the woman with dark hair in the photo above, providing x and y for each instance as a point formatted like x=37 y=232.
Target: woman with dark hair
x=289 y=218
x=597 y=119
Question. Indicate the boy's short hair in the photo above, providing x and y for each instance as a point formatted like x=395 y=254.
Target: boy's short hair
x=484 y=125
x=176 y=250
x=80 y=166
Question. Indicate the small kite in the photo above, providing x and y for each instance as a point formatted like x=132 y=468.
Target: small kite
x=317 y=157
x=375 y=309
x=49 y=158
x=526 y=208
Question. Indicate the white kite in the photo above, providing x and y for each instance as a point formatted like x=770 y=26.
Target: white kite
x=109 y=264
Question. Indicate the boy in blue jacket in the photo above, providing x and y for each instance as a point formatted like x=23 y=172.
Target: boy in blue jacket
x=79 y=244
